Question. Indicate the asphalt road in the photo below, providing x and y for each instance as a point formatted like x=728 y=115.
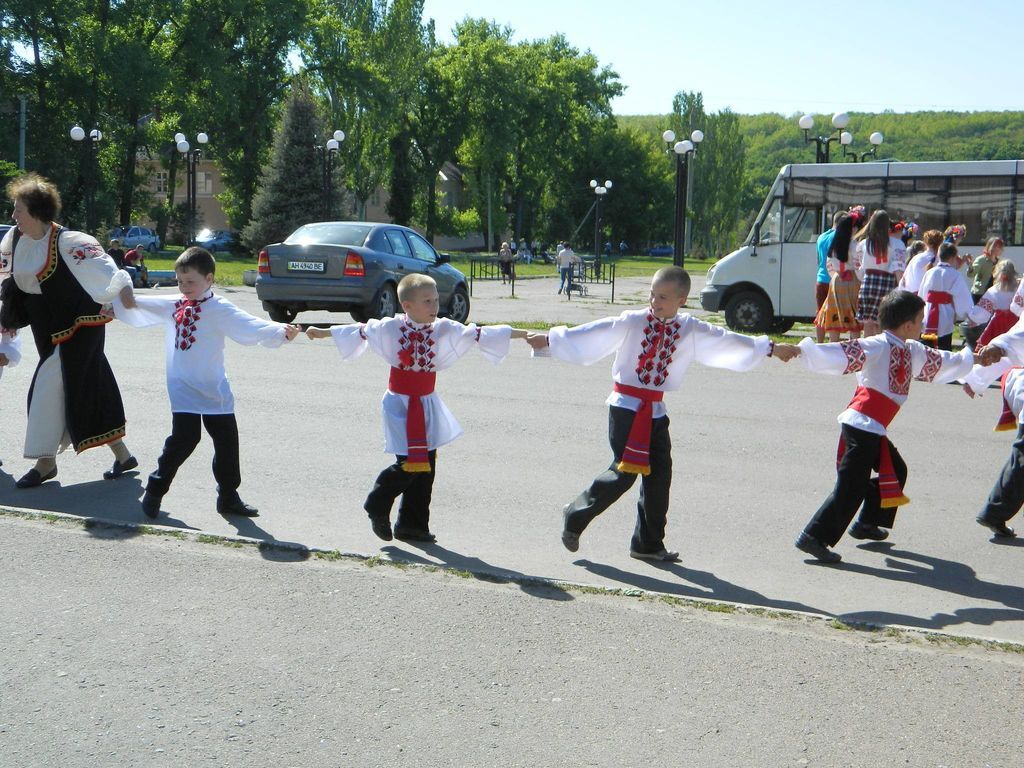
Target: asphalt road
x=754 y=457
x=121 y=651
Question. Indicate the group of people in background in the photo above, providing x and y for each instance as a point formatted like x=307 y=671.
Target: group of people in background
x=862 y=258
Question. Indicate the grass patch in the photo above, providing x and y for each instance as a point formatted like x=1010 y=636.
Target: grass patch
x=229 y=266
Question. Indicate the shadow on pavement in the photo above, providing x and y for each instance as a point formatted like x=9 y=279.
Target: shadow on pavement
x=708 y=586
x=270 y=548
x=943 y=575
x=478 y=569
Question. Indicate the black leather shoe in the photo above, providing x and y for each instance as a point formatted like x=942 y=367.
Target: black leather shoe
x=571 y=541
x=381 y=528
x=151 y=504
x=872 y=532
x=1000 y=530
x=816 y=549
x=237 y=507
x=119 y=469
x=661 y=556
x=32 y=478
x=413 y=534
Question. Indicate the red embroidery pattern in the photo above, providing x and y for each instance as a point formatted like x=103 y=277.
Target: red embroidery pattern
x=986 y=304
x=656 y=350
x=416 y=352
x=899 y=370
x=82 y=252
x=187 y=314
x=932 y=365
x=1018 y=300
x=855 y=357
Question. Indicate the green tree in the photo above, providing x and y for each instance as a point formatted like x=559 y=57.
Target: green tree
x=290 y=193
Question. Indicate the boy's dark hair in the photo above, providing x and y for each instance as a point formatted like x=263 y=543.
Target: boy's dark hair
x=947 y=251
x=676 y=275
x=40 y=196
x=199 y=259
x=898 y=307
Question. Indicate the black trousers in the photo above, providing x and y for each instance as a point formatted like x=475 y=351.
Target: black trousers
x=185 y=435
x=652 y=508
x=855 y=486
x=1007 y=495
x=415 y=488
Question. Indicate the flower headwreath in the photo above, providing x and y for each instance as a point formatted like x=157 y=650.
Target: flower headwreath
x=954 y=234
x=857 y=213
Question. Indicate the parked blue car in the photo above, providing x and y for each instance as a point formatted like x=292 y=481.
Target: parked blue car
x=660 y=250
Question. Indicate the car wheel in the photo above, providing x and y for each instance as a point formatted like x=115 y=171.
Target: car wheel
x=358 y=315
x=151 y=247
x=458 y=305
x=280 y=314
x=748 y=312
x=385 y=303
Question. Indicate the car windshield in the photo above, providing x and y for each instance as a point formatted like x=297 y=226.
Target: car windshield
x=329 y=233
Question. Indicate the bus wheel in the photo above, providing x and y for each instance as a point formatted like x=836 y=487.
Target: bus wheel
x=748 y=312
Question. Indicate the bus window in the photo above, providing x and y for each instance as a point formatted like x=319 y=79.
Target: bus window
x=801 y=224
x=922 y=201
x=843 y=194
x=1018 y=219
x=983 y=204
x=771 y=225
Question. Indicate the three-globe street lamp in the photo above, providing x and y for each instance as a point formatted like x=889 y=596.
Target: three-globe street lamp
x=846 y=139
x=683 y=150
x=191 y=157
x=89 y=171
x=600 y=190
x=327 y=153
x=822 y=144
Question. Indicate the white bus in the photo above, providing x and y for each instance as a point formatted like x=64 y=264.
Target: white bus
x=768 y=284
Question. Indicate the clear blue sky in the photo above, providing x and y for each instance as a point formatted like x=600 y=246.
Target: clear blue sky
x=781 y=55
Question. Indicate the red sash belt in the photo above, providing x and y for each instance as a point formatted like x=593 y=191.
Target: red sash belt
x=636 y=457
x=415 y=384
x=882 y=409
x=935 y=300
x=1006 y=419
x=1002 y=321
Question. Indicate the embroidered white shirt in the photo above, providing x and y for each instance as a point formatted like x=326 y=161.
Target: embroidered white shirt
x=916 y=270
x=948 y=280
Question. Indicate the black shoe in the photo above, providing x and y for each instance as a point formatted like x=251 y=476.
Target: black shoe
x=872 y=532
x=381 y=528
x=662 y=555
x=571 y=541
x=816 y=549
x=411 y=534
x=999 y=530
x=151 y=504
x=119 y=469
x=236 y=507
x=32 y=478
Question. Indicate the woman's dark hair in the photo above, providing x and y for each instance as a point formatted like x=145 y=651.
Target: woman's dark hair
x=898 y=307
x=39 y=195
x=840 y=247
x=876 y=232
x=199 y=259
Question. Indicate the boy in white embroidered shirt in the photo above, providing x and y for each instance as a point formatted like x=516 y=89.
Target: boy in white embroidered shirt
x=416 y=421
x=947 y=297
x=884 y=364
x=653 y=348
x=197 y=323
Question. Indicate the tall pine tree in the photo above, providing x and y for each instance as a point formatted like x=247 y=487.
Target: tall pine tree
x=290 y=192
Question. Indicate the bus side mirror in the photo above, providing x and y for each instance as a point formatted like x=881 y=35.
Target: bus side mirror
x=757 y=238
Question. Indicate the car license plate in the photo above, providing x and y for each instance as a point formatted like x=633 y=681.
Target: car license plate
x=305 y=266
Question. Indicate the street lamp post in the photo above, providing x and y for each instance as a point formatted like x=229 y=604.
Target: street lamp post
x=327 y=153
x=875 y=138
x=95 y=136
x=191 y=157
x=683 y=151
x=822 y=144
x=600 y=190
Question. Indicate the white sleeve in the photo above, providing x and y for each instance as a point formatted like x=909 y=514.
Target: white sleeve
x=963 y=302
x=836 y=358
x=6 y=248
x=10 y=345
x=982 y=311
x=937 y=366
x=981 y=376
x=1017 y=302
x=148 y=310
x=586 y=344
x=718 y=347
x=243 y=328
x=495 y=341
x=350 y=340
x=95 y=271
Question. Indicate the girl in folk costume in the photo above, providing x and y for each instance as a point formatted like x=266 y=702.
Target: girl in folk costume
x=417 y=345
x=839 y=311
x=10 y=352
x=196 y=324
x=63 y=279
x=885 y=365
x=882 y=260
x=946 y=297
x=653 y=348
x=922 y=262
x=999 y=307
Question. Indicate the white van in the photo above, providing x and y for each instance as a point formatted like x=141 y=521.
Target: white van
x=768 y=284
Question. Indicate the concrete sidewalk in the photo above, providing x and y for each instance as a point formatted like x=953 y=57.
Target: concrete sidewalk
x=123 y=649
